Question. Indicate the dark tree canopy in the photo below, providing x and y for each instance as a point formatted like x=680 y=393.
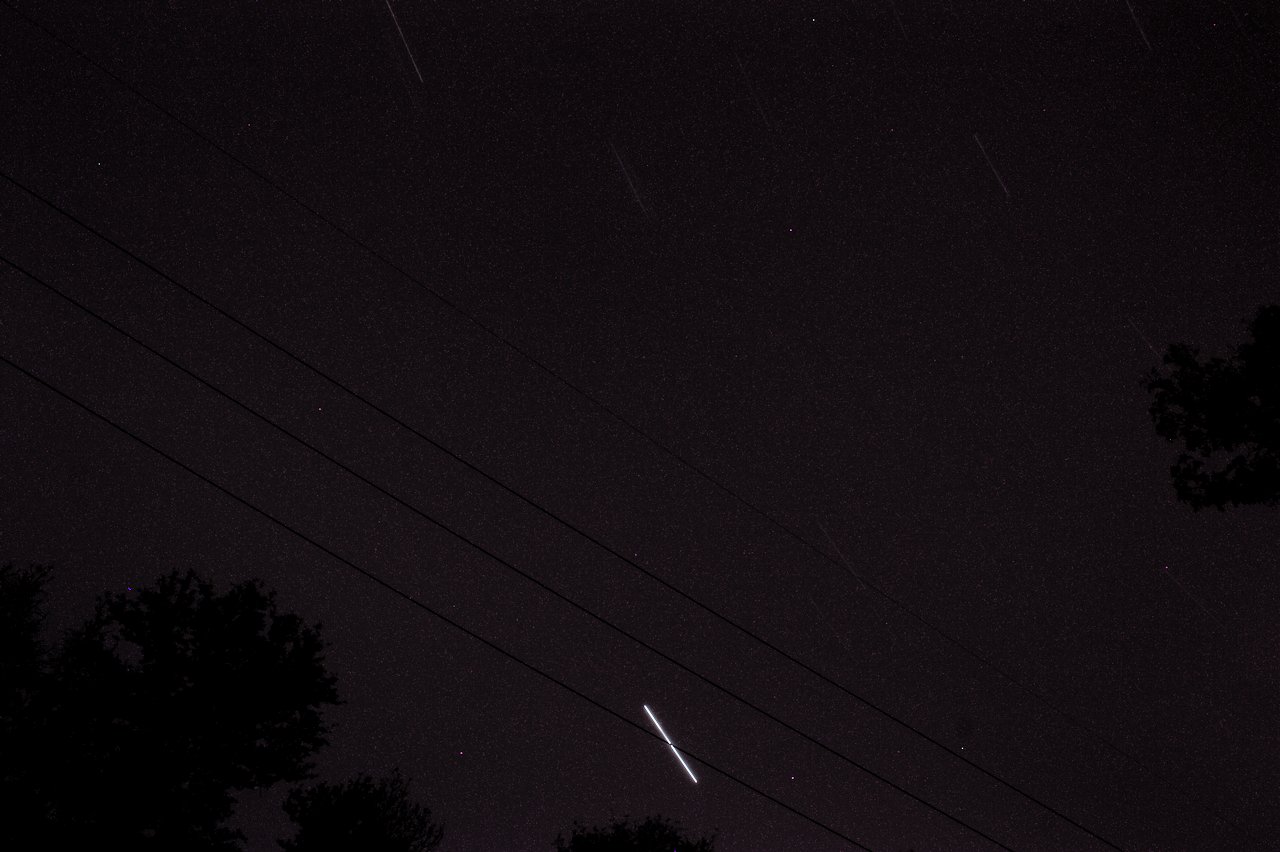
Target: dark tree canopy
x=654 y=834
x=21 y=674
x=21 y=653
x=1226 y=412
x=360 y=814
x=149 y=716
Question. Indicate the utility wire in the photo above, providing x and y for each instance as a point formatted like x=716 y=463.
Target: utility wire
x=411 y=599
x=543 y=510
x=500 y=560
x=603 y=407
x=701 y=473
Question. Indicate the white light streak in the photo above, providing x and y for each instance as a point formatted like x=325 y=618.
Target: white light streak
x=752 y=91
x=843 y=561
x=1149 y=346
x=992 y=165
x=396 y=21
x=1138 y=24
x=899 y=20
x=626 y=174
x=668 y=739
x=1194 y=599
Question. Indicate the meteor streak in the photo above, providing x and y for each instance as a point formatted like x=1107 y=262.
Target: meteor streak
x=668 y=739
x=991 y=164
x=396 y=21
x=626 y=174
x=1144 y=340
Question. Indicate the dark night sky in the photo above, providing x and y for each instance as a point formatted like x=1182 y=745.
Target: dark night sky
x=808 y=281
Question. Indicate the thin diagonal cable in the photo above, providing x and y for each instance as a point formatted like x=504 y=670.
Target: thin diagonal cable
x=772 y=520
x=512 y=567
x=411 y=599
x=535 y=505
x=1168 y=779
x=453 y=306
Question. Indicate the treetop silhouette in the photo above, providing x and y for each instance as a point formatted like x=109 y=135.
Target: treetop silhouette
x=137 y=728
x=654 y=834
x=1226 y=412
x=146 y=718
x=360 y=814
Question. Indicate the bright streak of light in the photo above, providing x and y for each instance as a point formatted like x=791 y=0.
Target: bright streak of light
x=752 y=90
x=1138 y=24
x=668 y=739
x=992 y=165
x=396 y=21
x=1193 y=598
x=626 y=174
x=1144 y=339
x=899 y=20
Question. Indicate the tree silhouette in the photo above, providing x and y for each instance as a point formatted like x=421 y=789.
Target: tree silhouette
x=146 y=718
x=654 y=834
x=21 y=652
x=360 y=814
x=1226 y=411
x=22 y=658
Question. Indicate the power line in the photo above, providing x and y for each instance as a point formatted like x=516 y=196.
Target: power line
x=411 y=599
x=509 y=565
x=771 y=519
x=532 y=503
x=538 y=363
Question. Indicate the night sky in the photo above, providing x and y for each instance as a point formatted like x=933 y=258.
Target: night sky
x=889 y=272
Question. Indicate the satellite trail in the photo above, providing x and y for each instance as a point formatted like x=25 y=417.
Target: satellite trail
x=668 y=739
x=396 y=21
x=1138 y=24
x=992 y=165
x=626 y=174
x=1149 y=346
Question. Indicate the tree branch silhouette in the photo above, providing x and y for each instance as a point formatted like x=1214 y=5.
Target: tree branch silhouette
x=1226 y=413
